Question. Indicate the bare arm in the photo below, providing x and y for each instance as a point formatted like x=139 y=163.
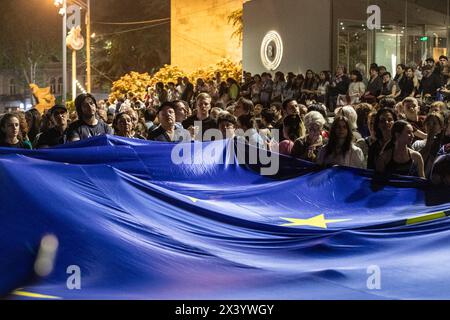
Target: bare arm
x=417 y=158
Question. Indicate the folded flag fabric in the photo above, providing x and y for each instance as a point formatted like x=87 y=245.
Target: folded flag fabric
x=132 y=224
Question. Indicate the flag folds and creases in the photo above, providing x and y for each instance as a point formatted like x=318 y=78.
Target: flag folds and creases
x=138 y=226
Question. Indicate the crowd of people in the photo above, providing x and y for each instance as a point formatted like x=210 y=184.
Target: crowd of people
x=393 y=125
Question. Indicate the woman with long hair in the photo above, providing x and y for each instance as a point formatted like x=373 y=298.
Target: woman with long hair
x=33 y=118
x=340 y=149
x=23 y=124
x=397 y=157
x=322 y=86
x=382 y=125
x=429 y=147
x=297 y=87
x=355 y=91
x=10 y=134
x=255 y=89
x=309 y=87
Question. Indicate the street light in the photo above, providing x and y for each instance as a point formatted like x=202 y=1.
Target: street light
x=63 y=12
x=86 y=4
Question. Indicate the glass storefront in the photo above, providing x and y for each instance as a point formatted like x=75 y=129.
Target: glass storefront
x=411 y=31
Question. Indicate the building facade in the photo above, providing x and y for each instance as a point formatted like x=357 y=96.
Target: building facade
x=320 y=34
x=15 y=93
x=201 y=34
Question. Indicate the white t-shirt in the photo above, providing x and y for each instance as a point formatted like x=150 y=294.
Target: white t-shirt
x=353 y=158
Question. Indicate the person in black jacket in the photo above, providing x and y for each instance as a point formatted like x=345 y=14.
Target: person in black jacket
x=339 y=85
x=374 y=86
x=201 y=116
x=430 y=83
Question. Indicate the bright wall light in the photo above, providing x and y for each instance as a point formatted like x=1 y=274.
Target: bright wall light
x=272 y=63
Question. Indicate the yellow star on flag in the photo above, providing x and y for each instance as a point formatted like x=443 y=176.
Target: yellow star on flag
x=317 y=221
x=194 y=200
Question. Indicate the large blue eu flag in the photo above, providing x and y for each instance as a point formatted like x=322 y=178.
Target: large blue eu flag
x=133 y=224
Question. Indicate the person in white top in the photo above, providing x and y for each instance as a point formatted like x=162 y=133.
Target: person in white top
x=356 y=88
x=340 y=149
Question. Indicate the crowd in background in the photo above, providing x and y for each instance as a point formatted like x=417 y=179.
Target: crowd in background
x=393 y=124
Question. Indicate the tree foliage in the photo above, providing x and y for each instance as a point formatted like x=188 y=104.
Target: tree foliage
x=137 y=82
x=30 y=36
x=120 y=49
x=236 y=19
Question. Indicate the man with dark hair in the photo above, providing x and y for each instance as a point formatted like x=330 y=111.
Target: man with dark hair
x=387 y=102
x=289 y=107
x=87 y=125
x=374 y=87
x=243 y=106
x=430 y=62
x=442 y=69
x=227 y=124
x=55 y=135
x=430 y=83
x=167 y=131
x=382 y=70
